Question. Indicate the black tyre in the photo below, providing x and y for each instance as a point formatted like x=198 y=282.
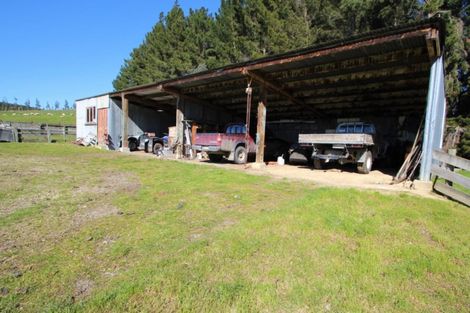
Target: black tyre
x=132 y=145
x=157 y=148
x=366 y=166
x=318 y=164
x=240 y=155
x=215 y=157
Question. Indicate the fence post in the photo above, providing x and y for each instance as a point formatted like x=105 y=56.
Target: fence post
x=48 y=132
x=452 y=152
x=63 y=131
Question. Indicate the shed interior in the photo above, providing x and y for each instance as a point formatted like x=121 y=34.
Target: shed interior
x=380 y=77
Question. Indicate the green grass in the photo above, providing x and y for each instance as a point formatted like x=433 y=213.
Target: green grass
x=53 y=117
x=96 y=231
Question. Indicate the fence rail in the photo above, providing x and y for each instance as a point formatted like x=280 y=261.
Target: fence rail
x=41 y=130
x=445 y=166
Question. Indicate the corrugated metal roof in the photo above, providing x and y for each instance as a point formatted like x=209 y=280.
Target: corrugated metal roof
x=394 y=57
x=434 y=22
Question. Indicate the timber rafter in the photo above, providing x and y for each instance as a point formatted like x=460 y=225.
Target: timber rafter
x=280 y=89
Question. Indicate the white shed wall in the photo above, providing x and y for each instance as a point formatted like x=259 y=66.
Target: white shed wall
x=83 y=128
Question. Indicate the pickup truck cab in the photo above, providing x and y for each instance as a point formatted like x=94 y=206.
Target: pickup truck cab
x=230 y=144
x=351 y=143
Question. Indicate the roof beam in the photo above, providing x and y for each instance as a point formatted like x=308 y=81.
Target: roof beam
x=279 y=89
x=351 y=88
x=149 y=103
x=411 y=61
x=433 y=44
x=178 y=93
x=331 y=101
x=366 y=104
x=357 y=78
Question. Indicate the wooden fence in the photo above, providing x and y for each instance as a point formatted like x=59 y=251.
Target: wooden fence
x=48 y=132
x=449 y=168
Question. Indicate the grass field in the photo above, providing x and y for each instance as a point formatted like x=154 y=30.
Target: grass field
x=85 y=230
x=53 y=117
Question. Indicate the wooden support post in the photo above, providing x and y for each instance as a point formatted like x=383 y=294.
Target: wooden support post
x=125 y=123
x=179 y=127
x=261 y=127
x=194 y=128
x=249 y=92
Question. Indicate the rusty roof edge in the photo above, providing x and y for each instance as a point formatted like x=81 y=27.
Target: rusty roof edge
x=435 y=22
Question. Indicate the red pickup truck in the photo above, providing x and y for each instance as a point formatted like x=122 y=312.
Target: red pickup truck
x=230 y=144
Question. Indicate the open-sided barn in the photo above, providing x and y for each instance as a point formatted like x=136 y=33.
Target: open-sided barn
x=391 y=77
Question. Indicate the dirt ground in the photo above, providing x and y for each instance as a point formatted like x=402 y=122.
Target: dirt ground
x=339 y=176
x=333 y=176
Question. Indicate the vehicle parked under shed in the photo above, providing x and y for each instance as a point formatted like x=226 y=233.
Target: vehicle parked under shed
x=101 y=116
x=390 y=77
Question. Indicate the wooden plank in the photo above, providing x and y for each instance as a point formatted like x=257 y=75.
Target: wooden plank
x=452 y=176
x=358 y=139
x=452 y=193
x=249 y=93
x=456 y=161
x=261 y=127
x=179 y=127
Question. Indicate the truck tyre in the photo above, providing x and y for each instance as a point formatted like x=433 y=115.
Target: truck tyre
x=366 y=166
x=132 y=145
x=157 y=148
x=240 y=155
x=215 y=157
x=317 y=164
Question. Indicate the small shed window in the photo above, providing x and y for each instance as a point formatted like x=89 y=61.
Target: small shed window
x=91 y=114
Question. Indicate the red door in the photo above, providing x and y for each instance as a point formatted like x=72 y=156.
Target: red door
x=103 y=126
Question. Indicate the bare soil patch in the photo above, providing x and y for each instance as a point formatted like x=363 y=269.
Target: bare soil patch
x=83 y=288
x=332 y=177
x=110 y=182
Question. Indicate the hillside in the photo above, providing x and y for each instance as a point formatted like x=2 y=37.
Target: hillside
x=59 y=117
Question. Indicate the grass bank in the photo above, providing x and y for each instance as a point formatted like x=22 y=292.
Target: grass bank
x=53 y=117
x=84 y=230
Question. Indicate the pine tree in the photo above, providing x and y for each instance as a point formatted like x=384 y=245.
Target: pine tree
x=37 y=104
x=66 y=105
x=247 y=29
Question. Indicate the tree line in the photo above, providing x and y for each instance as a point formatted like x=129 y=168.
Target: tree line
x=241 y=30
x=5 y=105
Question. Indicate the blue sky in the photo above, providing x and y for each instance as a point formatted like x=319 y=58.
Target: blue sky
x=56 y=50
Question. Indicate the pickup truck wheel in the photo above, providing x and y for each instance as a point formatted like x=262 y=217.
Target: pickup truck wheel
x=215 y=157
x=240 y=155
x=366 y=166
x=157 y=148
x=317 y=164
x=132 y=145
